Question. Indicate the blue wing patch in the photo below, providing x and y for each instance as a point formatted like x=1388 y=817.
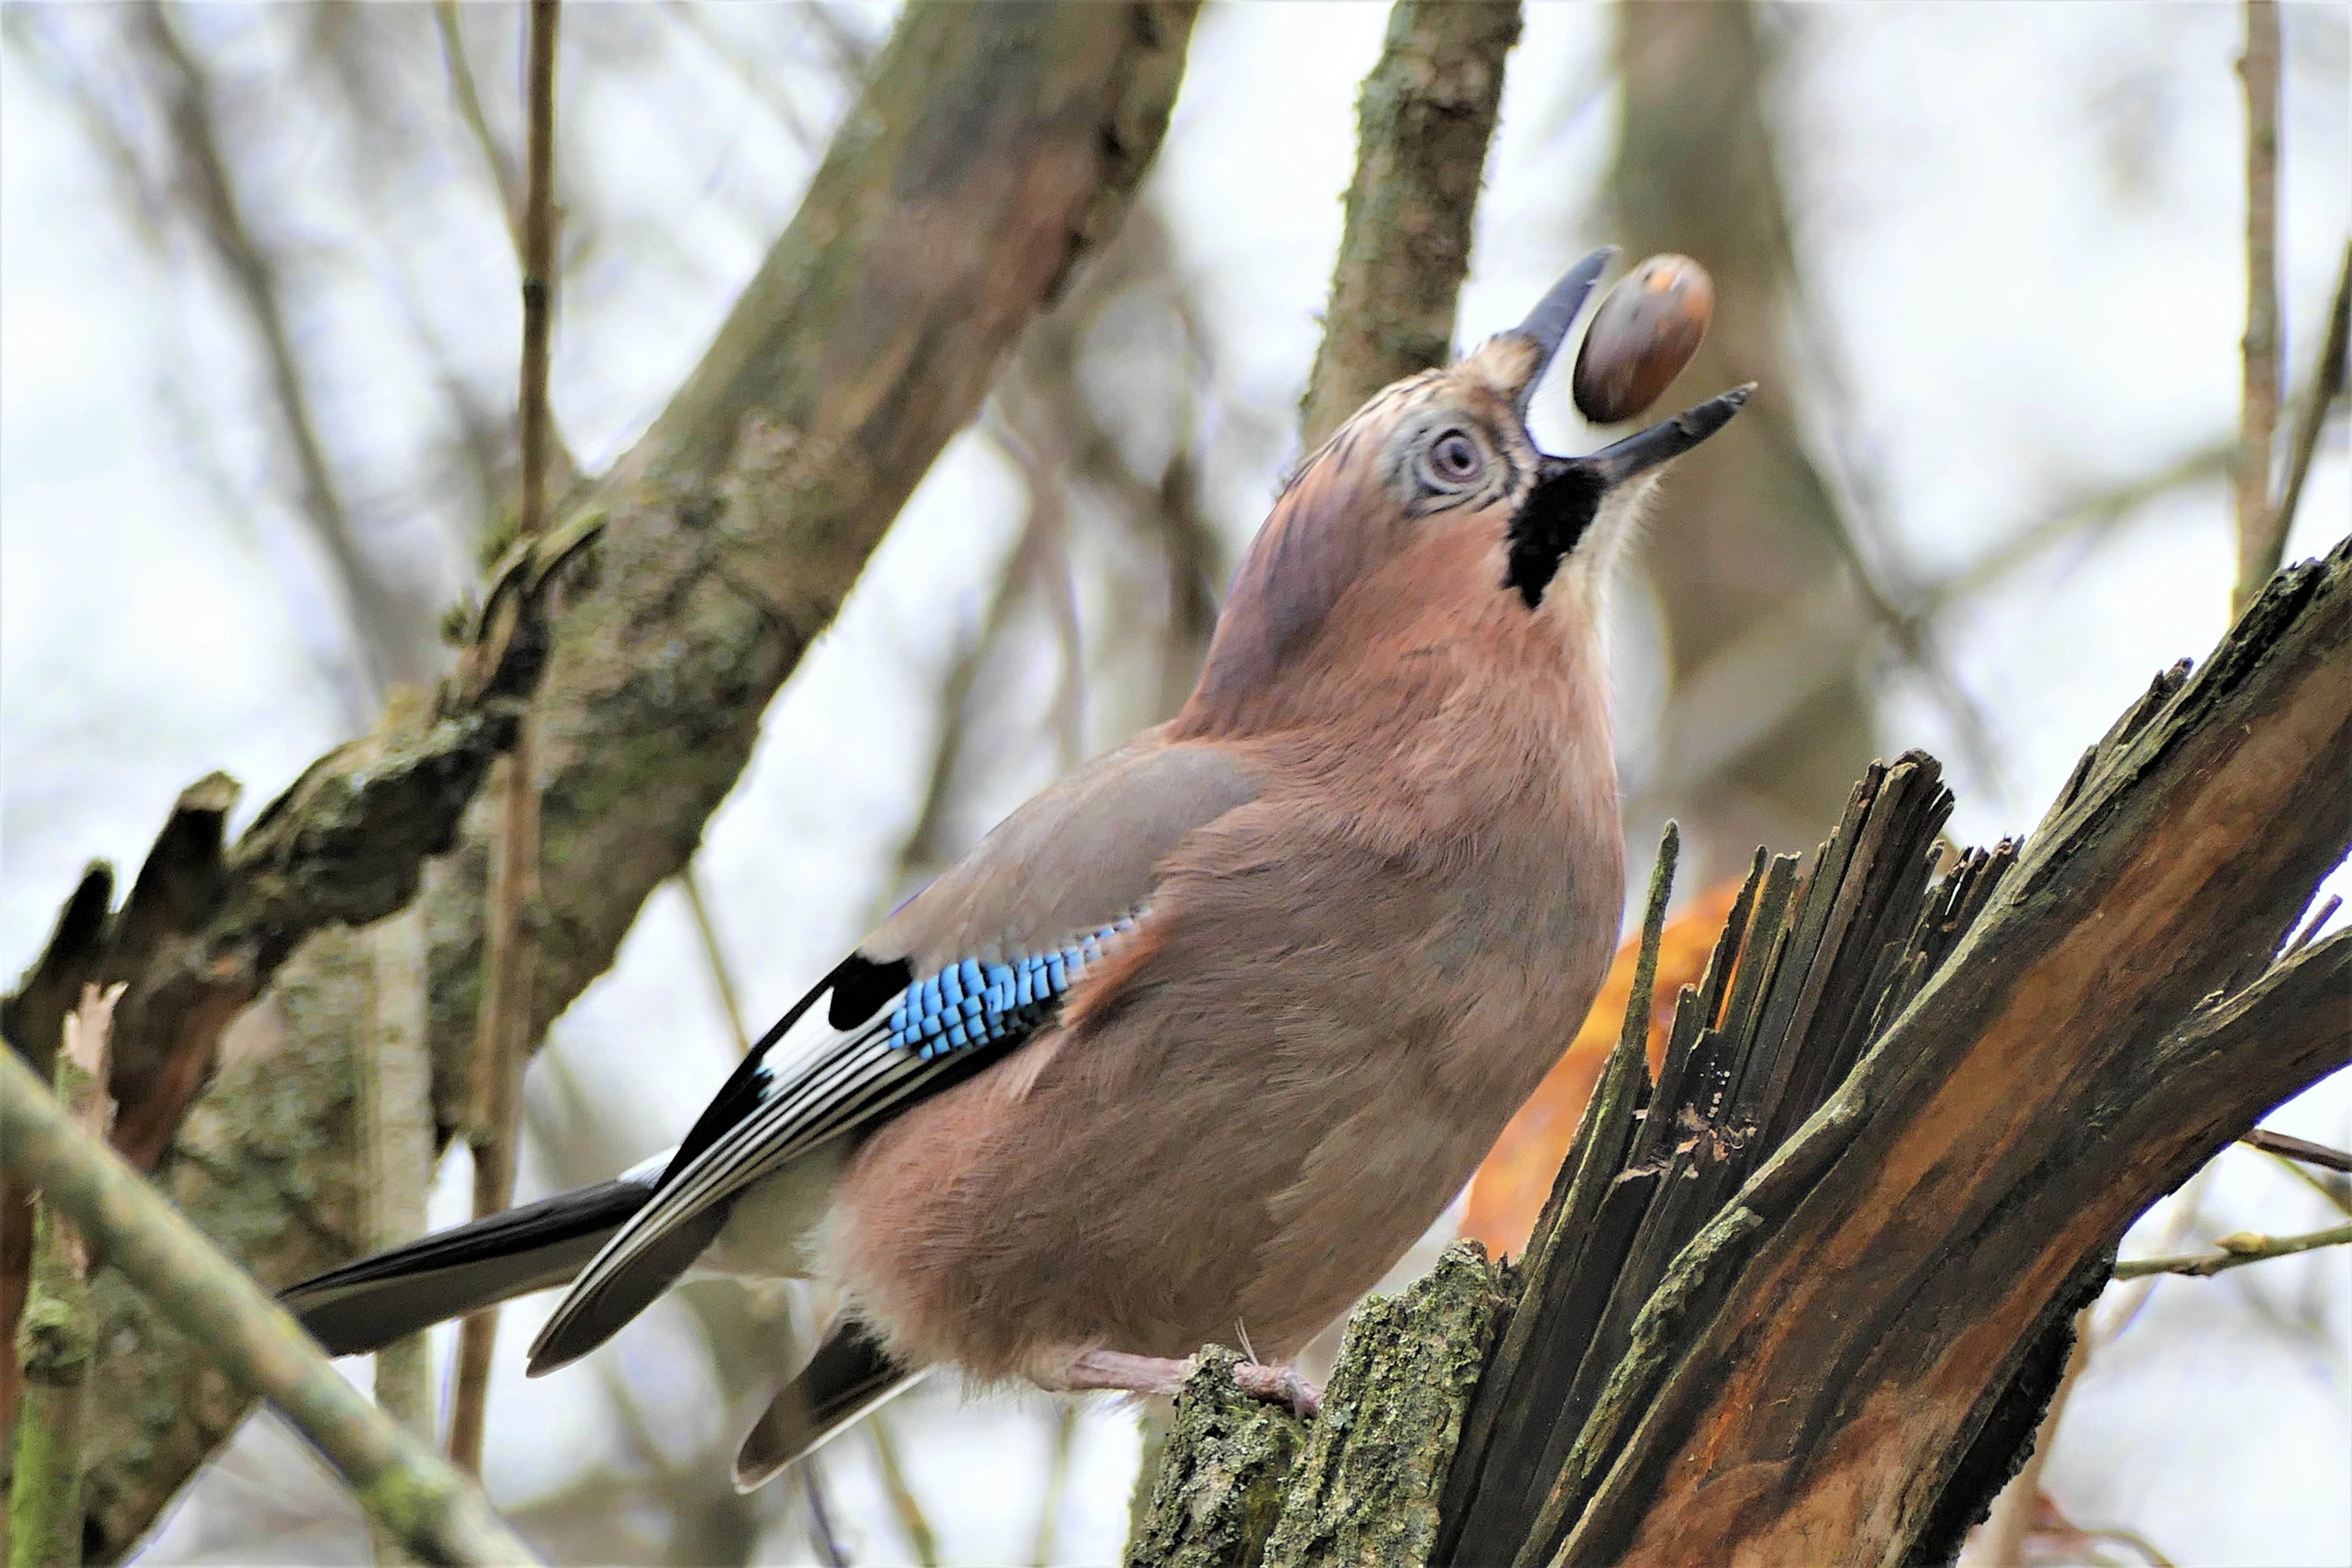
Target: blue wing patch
x=880 y=1057
x=975 y=1004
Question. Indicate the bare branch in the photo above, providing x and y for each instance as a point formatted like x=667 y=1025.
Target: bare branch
x=1423 y=120
x=2327 y=386
x=398 y=1479
x=714 y=958
x=2291 y=1148
x=448 y=20
x=2236 y=1251
x=393 y=640
x=505 y=1025
x=2260 y=540
x=59 y=1336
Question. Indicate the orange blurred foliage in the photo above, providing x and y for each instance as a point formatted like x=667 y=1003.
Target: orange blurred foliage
x=1509 y=1189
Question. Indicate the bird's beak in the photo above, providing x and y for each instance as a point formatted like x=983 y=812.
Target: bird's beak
x=1547 y=325
x=1668 y=439
x=1565 y=500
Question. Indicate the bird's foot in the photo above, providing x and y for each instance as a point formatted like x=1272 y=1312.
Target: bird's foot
x=1279 y=1385
x=1163 y=1374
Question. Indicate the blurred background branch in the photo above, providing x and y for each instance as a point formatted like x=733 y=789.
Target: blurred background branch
x=1423 y=121
x=2260 y=539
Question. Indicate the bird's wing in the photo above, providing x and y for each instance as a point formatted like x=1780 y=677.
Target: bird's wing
x=959 y=976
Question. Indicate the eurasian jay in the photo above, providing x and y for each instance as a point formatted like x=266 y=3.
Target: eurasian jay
x=1194 y=1045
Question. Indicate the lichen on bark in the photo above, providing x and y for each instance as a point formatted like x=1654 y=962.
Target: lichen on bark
x=1365 y=1493
x=1220 y=1476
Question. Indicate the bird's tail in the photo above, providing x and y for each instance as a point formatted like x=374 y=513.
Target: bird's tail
x=848 y=1376
x=368 y=1304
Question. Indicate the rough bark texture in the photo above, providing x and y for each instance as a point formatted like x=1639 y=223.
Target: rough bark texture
x=1859 y=1318
x=994 y=147
x=1221 y=1475
x=1423 y=119
x=1365 y=1493
x=1933 y=1110
x=1805 y=970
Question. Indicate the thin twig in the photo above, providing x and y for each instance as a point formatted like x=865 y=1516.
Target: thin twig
x=1045 y=559
x=2122 y=1307
x=2288 y=1147
x=2235 y=1252
x=1057 y=1484
x=537 y=264
x=820 y=1512
x=58 y=1339
x=388 y=640
x=903 y=1501
x=2259 y=541
x=760 y=79
x=510 y=940
x=2327 y=386
x=445 y=17
x=2092 y=515
x=715 y=959
x=399 y=1480
x=2320 y=917
x=2335 y=1191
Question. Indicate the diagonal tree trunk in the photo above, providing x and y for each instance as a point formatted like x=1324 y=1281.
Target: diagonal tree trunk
x=994 y=148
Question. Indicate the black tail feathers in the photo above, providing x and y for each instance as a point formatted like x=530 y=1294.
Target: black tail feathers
x=368 y=1304
x=848 y=1376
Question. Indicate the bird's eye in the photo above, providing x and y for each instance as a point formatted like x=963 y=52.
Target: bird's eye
x=1455 y=459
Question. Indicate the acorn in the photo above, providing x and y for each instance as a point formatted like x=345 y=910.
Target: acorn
x=1643 y=335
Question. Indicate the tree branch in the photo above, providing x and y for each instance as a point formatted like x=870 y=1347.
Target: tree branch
x=399 y=1480
x=504 y=1024
x=2327 y=386
x=57 y=1337
x=2288 y=1147
x=994 y=148
x=1423 y=120
x=2236 y=1252
x=2260 y=538
x=392 y=640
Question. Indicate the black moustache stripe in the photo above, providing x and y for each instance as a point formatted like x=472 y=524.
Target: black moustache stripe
x=1548 y=524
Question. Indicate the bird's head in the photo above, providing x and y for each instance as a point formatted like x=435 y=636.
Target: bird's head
x=1440 y=473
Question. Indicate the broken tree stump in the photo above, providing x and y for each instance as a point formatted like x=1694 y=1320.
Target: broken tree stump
x=1803 y=1296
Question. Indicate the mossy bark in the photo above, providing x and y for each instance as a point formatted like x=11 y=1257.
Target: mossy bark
x=265 y=1164
x=1365 y=1493
x=1221 y=1476
x=56 y=1343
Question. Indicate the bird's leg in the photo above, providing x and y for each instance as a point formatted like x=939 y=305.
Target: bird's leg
x=1161 y=1374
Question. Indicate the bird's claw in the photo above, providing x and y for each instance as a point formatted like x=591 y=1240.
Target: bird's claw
x=1279 y=1385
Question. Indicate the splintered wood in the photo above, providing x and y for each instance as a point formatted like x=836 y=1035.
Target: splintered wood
x=1807 y=969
